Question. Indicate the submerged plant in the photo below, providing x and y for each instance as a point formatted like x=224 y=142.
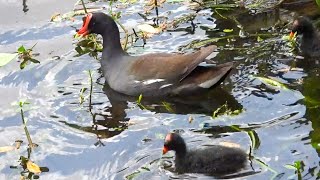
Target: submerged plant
x=225 y=110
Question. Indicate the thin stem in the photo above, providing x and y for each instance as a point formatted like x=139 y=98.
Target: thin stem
x=91 y=87
x=25 y=129
x=126 y=35
x=84 y=7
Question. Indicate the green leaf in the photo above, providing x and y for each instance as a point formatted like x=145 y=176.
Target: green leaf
x=34 y=60
x=259 y=39
x=23 y=102
x=5 y=58
x=297 y=164
x=21 y=49
x=272 y=82
x=318 y=2
x=23 y=64
x=289 y=166
x=139 y=99
x=168 y=107
x=255 y=141
x=228 y=30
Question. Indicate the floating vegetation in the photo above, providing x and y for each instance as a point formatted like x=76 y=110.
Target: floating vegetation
x=298 y=166
x=168 y=107
x=89 y=44
x=263 y=164
x=26 y=56
x=225 y=110
x=272 y=82
x=139 y=102
x=291 y=41
x=5 y=58
x=30 y=170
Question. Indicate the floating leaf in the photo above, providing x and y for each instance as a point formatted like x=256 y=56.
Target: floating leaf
x=259 y=39
x=32 y=167
x=228 y=30
x=34 y=60
x=6 y=149
x=148 y=29
x=23 y=64
x=5 y=58
x=272 y=82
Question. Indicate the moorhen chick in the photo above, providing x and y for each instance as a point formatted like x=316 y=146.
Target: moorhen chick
x=310 y=44
x=154 y=74
x=214 y=160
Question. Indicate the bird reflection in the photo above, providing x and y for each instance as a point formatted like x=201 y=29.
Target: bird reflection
x=25 y=6
x=112 y=120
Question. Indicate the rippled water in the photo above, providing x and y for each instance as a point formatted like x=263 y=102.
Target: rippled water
x=117 y=139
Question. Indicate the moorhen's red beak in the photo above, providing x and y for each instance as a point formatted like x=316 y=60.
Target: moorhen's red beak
x=165 y=149
x=291 y=35
x=84 y=30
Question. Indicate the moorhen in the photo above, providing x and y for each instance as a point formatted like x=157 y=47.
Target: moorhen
x=310 y=44
x=155 y=74
x=214 y=160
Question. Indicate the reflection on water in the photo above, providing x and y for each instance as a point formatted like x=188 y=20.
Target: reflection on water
x=112 y=120
x=25 y=6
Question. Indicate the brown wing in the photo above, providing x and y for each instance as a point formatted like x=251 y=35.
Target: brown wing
x=172 y=67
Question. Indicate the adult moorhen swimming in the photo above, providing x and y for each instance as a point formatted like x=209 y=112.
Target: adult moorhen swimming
x=214 y=160
x=310 y=44
x=155 y=74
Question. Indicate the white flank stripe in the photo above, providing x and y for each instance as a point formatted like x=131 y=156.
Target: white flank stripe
x=150 y=81
x=166 y=85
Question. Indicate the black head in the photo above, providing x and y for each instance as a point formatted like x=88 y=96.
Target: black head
x=302 y=25
x=175 y=142
x=98 y=23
